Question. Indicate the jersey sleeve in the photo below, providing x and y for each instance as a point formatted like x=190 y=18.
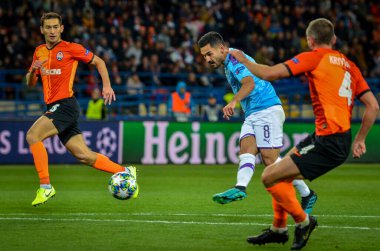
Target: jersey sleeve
x=303 y=62
x=239 y=70
x=80 y=53
x=361 y=85
x=38 y=72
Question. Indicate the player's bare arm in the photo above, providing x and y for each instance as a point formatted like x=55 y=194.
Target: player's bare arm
x=265 y=72
x=247 y=86
x=107 y=92
x=31 y=77
x=369 y=117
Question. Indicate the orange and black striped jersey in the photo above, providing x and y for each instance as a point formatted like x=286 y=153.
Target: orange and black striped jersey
x=334 y=82
x=58 y=70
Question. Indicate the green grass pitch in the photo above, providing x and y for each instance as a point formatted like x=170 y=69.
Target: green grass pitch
x=175 y=211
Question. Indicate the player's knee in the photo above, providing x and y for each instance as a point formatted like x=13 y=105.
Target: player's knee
x=31 y=137
x=248 y=146
x=268 y=160
x=266 y=179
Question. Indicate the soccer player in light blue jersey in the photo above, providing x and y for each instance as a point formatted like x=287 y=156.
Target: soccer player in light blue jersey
x=262 y=130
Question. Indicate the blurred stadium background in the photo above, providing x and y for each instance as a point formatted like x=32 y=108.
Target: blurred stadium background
x=149 y=46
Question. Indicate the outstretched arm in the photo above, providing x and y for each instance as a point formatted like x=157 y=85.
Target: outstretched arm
x=369 y=117
x=262 y=71
x=107 y=92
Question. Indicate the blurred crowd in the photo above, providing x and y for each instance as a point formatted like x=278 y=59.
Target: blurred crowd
x=160 y=36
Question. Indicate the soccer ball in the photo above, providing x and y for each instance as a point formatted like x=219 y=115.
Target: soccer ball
x=122 y=185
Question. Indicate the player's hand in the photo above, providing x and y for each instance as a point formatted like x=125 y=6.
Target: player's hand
x=228 y=110
x=38 y=64
x=238 y=55
x=358 y=149
x=108 y=95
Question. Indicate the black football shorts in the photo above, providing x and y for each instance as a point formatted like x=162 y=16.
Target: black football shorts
x=65 y=114
x=316 y=155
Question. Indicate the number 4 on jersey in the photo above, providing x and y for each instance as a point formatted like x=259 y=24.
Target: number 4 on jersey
x=345 y=88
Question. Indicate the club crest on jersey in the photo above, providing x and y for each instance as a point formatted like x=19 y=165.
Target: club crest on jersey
x=59 y=55
x=86 y=53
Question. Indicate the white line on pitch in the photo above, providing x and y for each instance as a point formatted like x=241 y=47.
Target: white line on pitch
x=186 y=214
x=172 y=222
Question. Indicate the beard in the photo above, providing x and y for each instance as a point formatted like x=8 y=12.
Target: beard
x=213 y=64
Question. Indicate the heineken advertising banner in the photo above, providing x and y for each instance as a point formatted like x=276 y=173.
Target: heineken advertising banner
x=102 y=137
x=162 y=142
x=158 y=142
x=165 y=142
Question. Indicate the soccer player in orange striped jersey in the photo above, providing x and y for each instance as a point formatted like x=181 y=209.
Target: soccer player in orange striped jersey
x=55 y=62
x=334 y=82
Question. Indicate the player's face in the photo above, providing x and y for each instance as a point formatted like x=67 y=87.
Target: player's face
x=213 y=56
x=52 y=30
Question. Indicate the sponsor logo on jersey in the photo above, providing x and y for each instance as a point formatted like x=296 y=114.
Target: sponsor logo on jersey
x=45 y=72
x=59 y=56
x=86 y=53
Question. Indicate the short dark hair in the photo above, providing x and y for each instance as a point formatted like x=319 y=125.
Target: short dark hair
x=322 y=30
x=213 y=38
x=50 y=15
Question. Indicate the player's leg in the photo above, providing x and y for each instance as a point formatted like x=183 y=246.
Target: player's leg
x=285 y=201
x=60 y=115
x=314 y=157
x=308 y=196
x=269 y=135
x=248 y=150
x=41 y=129
x=247 y=158
x=268 y=128
x=308 y=199
x=277 y=179
x=268 y=155
x=278 y=232
x=262 y=129
x=78 y=148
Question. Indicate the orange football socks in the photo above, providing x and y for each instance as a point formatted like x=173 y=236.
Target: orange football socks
x=105 y=164
x=285 y=196
x=280 y=215
x=40 y=157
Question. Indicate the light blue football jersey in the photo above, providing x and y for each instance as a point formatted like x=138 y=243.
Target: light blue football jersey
x=262 y=96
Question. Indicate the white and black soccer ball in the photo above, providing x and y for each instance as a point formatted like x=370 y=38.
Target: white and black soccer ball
x=122 y=185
